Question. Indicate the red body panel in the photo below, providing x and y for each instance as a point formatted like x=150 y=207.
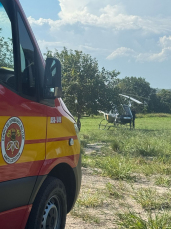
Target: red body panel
x=34 y=168
x=9 y=100
x=20 y=170
x=15 y=218
x=51 y=163
x=25 y=107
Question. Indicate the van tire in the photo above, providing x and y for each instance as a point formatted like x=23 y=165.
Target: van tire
x=50 y=206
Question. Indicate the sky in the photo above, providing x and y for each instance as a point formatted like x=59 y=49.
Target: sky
x=131 y=36
x=5 y=23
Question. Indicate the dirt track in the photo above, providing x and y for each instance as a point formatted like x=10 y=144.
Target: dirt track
x=97 y=207
x=92 y=183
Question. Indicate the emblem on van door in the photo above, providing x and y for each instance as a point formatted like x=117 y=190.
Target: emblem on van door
x=12 y=140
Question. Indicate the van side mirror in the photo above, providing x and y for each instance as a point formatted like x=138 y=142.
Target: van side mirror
x=52 y=79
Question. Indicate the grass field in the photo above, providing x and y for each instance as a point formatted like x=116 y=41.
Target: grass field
x=135 y=161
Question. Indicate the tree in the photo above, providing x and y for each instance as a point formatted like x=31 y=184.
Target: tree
x=108 y=95
x=153 y=102
x=86 y=89
x=6 y=52
x=138 y=88
x=164 y=101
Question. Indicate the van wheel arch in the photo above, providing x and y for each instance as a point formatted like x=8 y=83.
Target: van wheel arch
x=66 y=174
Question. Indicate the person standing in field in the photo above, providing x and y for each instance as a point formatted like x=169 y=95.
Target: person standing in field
x=133 y=117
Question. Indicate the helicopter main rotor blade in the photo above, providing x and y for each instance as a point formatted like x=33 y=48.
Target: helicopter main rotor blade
x=128 y=97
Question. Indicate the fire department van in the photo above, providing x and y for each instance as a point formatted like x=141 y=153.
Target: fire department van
x=40 y=168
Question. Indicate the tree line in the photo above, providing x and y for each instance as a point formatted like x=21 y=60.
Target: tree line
x=86 y=89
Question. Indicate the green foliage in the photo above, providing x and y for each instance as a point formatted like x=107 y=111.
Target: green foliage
x=150 y=199
x=6 y=52
x=136 y=87
x=163 y=181
x=86 y=88
x=89 y=199
x=82 y=150
x=85 y=216
x=156 y=101
x=145 y=150
x=84 y=143
x=115 y=145
x=116 y=167
x=113 y=192
x=164 y=101
x=152 y=115
x=135 y=221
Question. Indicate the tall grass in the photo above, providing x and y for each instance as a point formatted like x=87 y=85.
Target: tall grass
x=150 y=199
x=127 y=155
x=152 y=115
x=116 y=167
x=143 y=150
x=153 y=221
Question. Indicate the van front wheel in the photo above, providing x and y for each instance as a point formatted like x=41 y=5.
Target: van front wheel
x=50 y=206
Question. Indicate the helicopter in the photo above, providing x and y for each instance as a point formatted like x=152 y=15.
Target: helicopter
x=117 y=117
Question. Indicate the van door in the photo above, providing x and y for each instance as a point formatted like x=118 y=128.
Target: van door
x=22 y=117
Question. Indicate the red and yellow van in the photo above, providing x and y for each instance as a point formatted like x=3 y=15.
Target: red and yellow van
x=40 y=164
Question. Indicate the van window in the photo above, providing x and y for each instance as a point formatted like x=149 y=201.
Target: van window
x=7 y=75
x=27 y=60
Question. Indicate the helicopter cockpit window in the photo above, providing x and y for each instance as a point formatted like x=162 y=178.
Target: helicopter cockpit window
x=7 y=75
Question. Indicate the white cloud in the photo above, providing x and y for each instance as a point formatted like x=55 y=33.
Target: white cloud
x=105 y=16
x=165 y=41
x=121 y=52
x=68 y=6
x=87 y=21
x=164 y=54
x=42 y=21
x=86 y=47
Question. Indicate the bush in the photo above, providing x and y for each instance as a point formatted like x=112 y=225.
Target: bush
x=115 y=145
